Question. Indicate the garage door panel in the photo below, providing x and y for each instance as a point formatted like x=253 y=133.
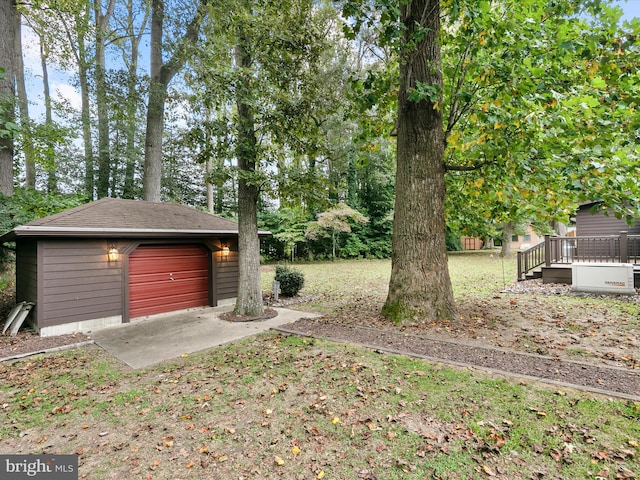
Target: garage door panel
x=180 y=287
x=167 y=278
x=179 y=302
x=147 y=266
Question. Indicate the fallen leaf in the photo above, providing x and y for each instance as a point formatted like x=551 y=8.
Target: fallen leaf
x=600 y=455
x=279 y=460
x=320 y=474
x=190 y=465
x=295 y=450
x=335 y=420
x=488 y=471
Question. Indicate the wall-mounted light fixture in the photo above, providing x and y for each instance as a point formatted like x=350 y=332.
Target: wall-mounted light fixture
x=113 y=254
x=225 y=249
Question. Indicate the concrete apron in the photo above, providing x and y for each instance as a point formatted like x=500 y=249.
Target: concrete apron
x=165 y=336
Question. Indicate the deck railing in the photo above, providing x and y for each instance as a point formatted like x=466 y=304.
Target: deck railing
x=530 y=259
x=621 y=248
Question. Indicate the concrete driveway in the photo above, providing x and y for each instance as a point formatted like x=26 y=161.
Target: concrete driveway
x=163 y=337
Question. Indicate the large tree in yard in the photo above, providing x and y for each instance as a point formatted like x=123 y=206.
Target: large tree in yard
x=7 y=126
x=257 y=67
x=420 y=286
x=162 y=72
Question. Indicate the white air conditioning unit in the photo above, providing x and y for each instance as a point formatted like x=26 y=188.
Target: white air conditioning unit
x=602 y=278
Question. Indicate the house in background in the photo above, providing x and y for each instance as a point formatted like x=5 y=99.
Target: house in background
x=518 y=241
x=600 y=238
x=601 y=223
x=471 y=243
x=529 y=238
x=109 y=261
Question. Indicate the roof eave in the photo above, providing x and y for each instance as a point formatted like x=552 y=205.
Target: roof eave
x=42 y=231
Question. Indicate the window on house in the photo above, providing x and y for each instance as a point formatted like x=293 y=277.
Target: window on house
x=514 y=238
x=527 y=238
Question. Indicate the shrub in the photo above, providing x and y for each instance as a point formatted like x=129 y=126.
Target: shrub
x=291 y=280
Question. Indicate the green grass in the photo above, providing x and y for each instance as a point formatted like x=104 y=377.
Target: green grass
x=276 y=406
x=348 y=410
x=478 y=273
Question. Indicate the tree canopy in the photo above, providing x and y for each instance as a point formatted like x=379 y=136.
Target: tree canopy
x=527 y=109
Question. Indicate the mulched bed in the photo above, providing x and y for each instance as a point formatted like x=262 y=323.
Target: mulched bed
x=600 y=379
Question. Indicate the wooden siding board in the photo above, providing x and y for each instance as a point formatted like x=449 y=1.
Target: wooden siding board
x=82 y=309
x=72 y=297
x=61 y=285
x=85 y=274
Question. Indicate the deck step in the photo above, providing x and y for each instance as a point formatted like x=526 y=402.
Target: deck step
x=533 y=274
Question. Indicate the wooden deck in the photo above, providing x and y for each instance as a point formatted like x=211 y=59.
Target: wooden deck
x=551 y=260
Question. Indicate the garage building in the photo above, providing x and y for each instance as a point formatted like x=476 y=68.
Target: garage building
x=113 y=260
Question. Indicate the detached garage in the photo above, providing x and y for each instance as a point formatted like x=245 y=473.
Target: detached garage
x=113 y=260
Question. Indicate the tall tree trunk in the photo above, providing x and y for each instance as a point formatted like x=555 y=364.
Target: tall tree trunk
x=77 y=36
x=560 y=228
x=8 y=13
x=155 y=111
x=209 y=168
x=85 y=116
x=50 y=157
x=132 y=105
x=249 y=301
x=507 y=232
x=161 y=74
x=420 y=287
x=104 y=157
x=23 y=103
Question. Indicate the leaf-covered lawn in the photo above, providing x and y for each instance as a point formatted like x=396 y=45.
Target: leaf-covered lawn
x=285 y=407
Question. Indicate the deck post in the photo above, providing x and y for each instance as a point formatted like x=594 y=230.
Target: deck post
x=519 y=254
x=624 y=247
x=547 y=250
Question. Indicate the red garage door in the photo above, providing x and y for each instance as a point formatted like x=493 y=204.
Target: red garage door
x=164 y=278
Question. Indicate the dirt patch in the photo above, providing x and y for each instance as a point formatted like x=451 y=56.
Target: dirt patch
x=28 y=341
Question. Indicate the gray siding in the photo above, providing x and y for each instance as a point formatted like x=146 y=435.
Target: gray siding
x=599 y=224
x=77 y=282
x=227 y=276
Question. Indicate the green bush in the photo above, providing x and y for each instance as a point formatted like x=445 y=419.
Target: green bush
x=291 y=280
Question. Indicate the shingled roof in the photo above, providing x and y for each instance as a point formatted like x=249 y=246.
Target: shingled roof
x=126 y=218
